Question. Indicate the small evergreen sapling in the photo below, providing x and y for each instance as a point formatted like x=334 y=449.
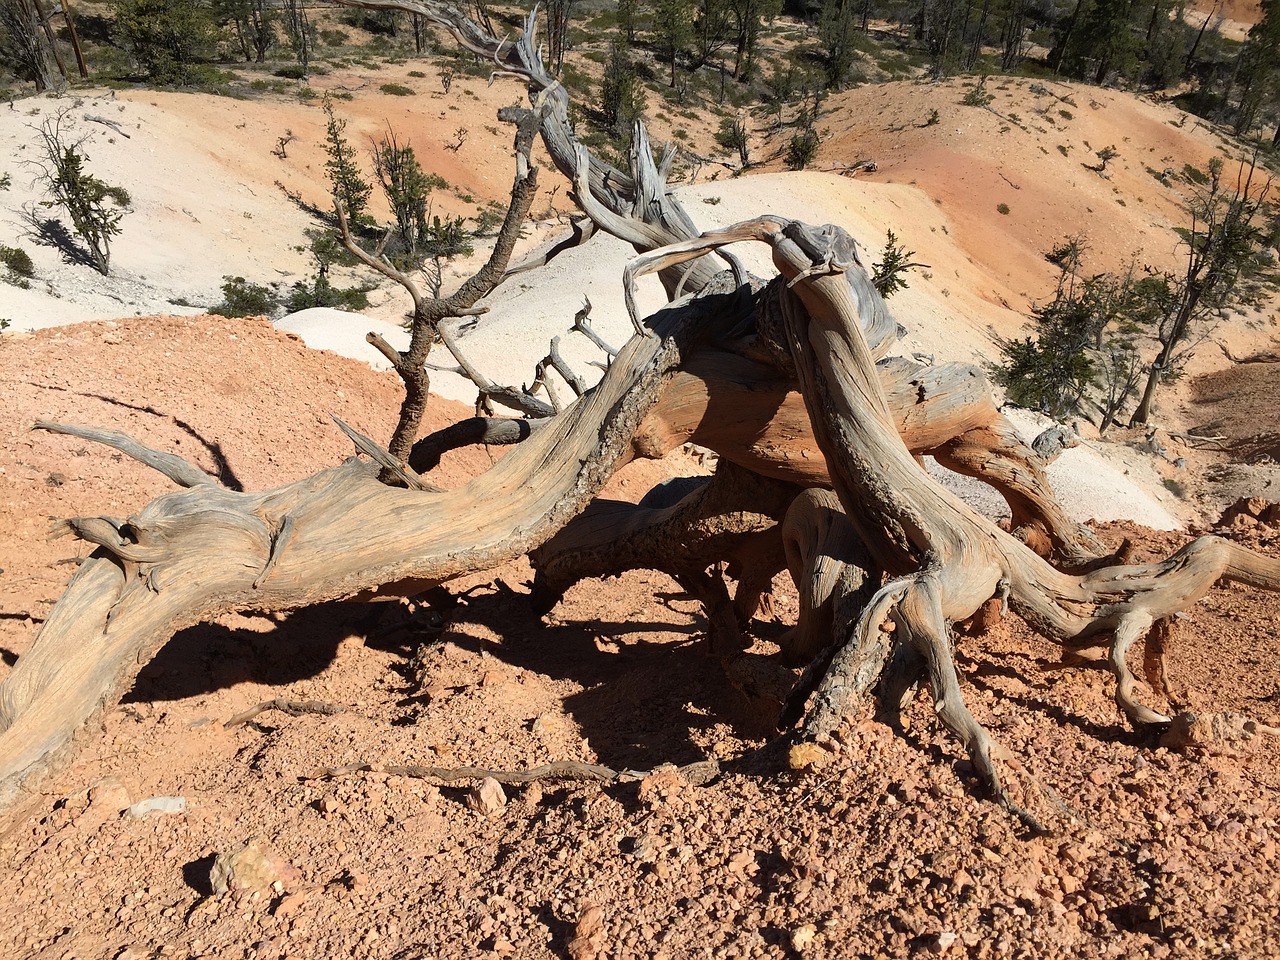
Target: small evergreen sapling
x=349 y=185
x=95 y=208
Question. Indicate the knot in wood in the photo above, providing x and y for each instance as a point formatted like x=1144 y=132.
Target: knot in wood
x=771 y=326
x=829 y=247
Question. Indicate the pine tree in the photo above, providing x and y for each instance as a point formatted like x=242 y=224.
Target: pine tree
x=672 y=30
x=95 y=207
x=622 y=99
x=408 y=189
x=169 y=39
x=349 y=186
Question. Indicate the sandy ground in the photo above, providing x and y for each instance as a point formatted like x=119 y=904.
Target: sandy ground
x=885 y=851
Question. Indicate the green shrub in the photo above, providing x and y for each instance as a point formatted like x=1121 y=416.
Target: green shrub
x=346 y=182
x=169 y=39
x=802 y=148
x=243 y=298
x=319 y=292
x=977 y=95
x=396 y=90
x=886 y=276
x=292 y=71
x=447 y=238
x=1002 y=208
x=17 y=261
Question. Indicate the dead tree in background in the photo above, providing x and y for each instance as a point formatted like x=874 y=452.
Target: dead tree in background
x=31 y=44
x=831 y=410
x=429 y=312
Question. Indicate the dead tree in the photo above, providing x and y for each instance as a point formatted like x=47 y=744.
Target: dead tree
x=789 y=380
x=428 y=313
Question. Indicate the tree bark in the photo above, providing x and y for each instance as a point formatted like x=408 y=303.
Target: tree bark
x=191 y=555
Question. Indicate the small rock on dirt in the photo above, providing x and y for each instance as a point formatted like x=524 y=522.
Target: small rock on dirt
x=109 y=796
x=158 y=805
x=802 y=937
x=1205 y=731
x=942 y=942
x=252 y=867
x=806 y=756
x=487 y=797
x=588 y=935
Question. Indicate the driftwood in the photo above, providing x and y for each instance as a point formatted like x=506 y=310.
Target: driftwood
x=790 y=381
x=191 y=555
x=945 y=560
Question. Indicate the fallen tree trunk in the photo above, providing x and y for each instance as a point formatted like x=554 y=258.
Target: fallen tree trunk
x=750 y=412
x=191 y=555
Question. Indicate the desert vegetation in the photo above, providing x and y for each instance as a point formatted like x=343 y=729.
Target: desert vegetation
x=822 y=316
x=816 y=472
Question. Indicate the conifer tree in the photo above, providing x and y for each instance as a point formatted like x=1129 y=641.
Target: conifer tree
x=348 y=184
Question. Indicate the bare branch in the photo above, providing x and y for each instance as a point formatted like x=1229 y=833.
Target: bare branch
x=581 y=229
x=378 y=263
x=581 y=326
x=293 y=708
x=390 y=464
x=489 y=431
x=561 y=366
x=180 y=471
x=384 y=348
x=517 y=399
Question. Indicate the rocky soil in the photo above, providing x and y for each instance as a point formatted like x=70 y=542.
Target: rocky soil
x=885 y=849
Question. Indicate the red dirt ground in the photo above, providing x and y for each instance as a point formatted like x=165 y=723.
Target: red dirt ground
x=885 y=850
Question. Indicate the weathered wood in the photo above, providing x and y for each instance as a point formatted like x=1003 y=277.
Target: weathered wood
x=947 y=560
x=191 y=555
x=830 y=568
x=731 y=519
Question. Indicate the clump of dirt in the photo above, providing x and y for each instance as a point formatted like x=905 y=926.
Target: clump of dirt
x=883 y=849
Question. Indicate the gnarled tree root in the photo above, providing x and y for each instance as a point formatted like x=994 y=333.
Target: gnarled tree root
x=731 y=518
x=948 y=560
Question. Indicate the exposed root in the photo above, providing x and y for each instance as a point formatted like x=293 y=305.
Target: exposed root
x=730 y=519
x=293 y=708
x=698 y=773
x=951 y=561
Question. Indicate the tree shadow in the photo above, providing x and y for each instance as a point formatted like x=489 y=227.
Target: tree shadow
x=212 y=656
x=226 y=475
x=655 y=698
x=93 y=29
x=196 y=875
x=643 y=702
x=1062 y=717
x=50 y=232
